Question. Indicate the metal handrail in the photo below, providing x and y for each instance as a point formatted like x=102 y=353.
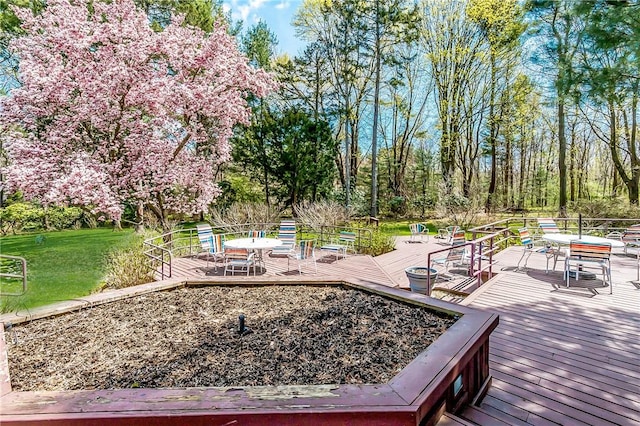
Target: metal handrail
x=22 y=276
x=478 y=249
x=163 y=248
x=606 y=224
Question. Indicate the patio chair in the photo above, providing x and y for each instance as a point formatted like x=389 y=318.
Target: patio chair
x=418 y=230
x=256 y=234
x=631 y=238
x=548 y=226
x=583 y=255
x=529 y=246
x=457 y=256
x=306 y=254
x=236 y=258
x=257 y=253
x=447 y=233
x=210 y=244
x=286 y=234
x=341 y=245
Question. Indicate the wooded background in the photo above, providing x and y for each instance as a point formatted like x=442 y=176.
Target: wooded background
x=396 y=106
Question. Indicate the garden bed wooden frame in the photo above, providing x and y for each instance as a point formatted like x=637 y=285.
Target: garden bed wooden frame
x=444 y=377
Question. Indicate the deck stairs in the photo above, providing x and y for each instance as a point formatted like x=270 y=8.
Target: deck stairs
x=474 y=416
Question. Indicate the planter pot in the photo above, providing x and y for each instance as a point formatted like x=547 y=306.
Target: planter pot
x=418 y=276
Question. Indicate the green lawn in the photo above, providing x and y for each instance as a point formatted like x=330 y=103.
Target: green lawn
x=61 y=265
x=401 y=227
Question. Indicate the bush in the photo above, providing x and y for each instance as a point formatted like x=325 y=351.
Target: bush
x=128 y=266
x=380 y=243
x=22 y=216
x=613 y=208
x=322 y=213
x=62 y=217
x=456 y=208
x=18 y=216
x=398 y=206
x=238 y=214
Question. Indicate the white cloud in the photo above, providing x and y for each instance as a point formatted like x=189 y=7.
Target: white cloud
x=241 y=9
x=283 y=5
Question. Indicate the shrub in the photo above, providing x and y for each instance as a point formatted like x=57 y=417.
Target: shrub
x=21 y=216
x=322 y=213
x=17 y=216
x=616 y=208
x=62 y=217
x=380 y=243
x=128 y=266
x=398 y=206
x=458 y=209
x=238 y=214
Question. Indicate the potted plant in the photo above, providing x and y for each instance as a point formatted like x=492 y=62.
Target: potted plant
x=419 y=278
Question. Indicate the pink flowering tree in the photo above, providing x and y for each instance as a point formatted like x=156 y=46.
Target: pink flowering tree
x=111 y=113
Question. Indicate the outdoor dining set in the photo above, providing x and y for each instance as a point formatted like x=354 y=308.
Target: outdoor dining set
x=580 y=252
x=585 y=256
x=247 y=252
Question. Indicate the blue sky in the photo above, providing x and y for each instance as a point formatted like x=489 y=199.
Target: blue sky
x=276 y=13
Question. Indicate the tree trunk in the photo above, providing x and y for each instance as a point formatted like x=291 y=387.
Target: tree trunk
x=139 y=225
x=492 y=139
x=376 y=112
x=562 y=166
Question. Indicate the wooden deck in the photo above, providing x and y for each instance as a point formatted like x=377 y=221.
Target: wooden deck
x=559 y=356
x=387 y=269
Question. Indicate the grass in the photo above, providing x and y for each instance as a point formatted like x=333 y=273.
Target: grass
x=401 y=227
x=61 y=265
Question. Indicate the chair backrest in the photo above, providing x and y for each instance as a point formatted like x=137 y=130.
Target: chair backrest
x=347 y=237
x=287 y=232
x=418 y=228
x=458 y=237
x=525 y=237
x=548 y=226
x=306 y=248
x=631 y=234
x=256 y=234
x=205 y=233
x=584 y=250
x=236 y=253
x=217 y=243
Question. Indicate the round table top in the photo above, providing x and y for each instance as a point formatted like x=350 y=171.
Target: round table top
x=567 y=238
x=253 y=243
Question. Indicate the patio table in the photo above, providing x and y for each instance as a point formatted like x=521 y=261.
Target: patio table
x=253 y=243
x=565 y=239
x=257 y=244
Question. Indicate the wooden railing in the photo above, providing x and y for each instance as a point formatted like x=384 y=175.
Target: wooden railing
x=13 y=268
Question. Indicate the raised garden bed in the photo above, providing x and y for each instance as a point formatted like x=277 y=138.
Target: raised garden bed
x=331 y=353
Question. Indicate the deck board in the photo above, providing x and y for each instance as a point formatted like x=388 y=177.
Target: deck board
x=563 y=356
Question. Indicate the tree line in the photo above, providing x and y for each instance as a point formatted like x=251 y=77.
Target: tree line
x=396 y=105
x=512 y=105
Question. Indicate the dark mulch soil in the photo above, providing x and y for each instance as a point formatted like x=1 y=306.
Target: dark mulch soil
x=189 y=337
